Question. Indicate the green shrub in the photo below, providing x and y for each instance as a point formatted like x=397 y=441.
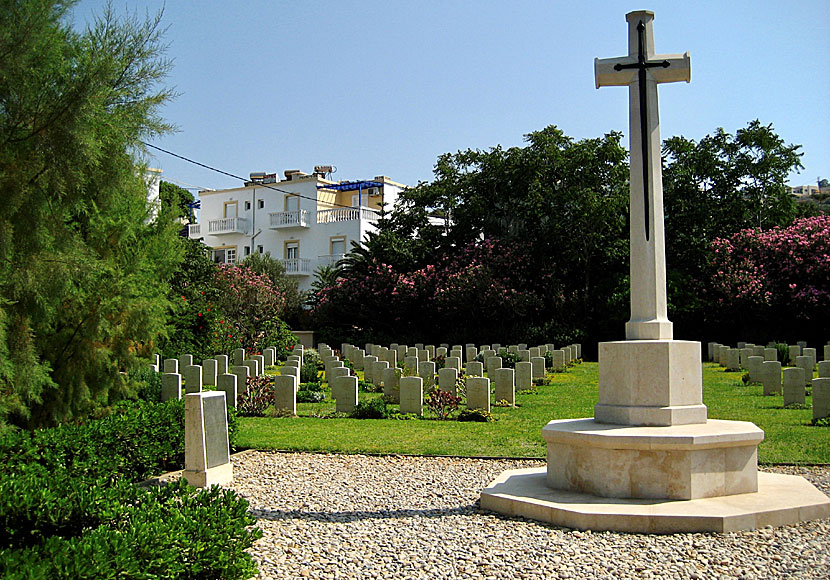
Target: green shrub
x=145 y=383
x=257 y=397
x=310 y=393
x=137 y=440
x=126 y=532
x=476 y=415
x=783 y=353
x=821 y=422
x=370 y=409
x=309 y=373
x=508 y=359
x=365 y=387
x=69 y=506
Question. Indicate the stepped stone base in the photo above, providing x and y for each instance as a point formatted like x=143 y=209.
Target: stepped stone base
x=780 y=500
x=679 y=462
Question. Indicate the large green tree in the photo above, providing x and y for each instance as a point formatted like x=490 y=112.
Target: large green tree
x=558 y=204
x=713 y=188
x=83 y=267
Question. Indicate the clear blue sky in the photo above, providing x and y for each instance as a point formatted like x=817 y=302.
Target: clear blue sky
x=385 y=87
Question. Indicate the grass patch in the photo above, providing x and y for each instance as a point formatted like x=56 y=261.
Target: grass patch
x=789 y=437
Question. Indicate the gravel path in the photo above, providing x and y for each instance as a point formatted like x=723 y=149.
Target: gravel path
x=355 y=516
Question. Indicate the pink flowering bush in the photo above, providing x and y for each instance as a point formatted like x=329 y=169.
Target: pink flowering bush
x=780 y=273
x=483 y=288
x=249 y=301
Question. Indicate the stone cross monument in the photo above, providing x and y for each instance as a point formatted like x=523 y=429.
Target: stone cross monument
x=641 y=71
x=650 y=460
x=648 y=379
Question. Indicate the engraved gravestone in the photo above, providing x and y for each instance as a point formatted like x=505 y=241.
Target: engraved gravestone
x=207 y=450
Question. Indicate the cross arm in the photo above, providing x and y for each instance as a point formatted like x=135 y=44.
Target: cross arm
x=606 y=73
x=606 y=76
x=679 y=69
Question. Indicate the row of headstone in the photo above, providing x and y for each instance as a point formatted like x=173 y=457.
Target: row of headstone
x=415 y=358
x=763 y=367
x=721 y=353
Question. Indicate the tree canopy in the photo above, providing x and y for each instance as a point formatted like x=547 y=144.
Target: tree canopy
x=531 y=243
x=83 y=268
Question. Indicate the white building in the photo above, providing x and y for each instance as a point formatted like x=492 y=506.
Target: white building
x=305 y=220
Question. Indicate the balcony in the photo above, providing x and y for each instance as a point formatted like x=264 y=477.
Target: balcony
x=329 y=260
x=235 y=225
x=297 y=267
x=347 y=214
x=194 y=230
x=289 y=219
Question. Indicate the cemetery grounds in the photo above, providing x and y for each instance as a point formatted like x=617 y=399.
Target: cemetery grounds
x=516 y=432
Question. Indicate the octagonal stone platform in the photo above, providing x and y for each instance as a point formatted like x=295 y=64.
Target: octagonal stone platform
x=780 y=500
x=709 y=459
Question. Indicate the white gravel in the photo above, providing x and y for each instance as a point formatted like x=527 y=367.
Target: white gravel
x=356 y=516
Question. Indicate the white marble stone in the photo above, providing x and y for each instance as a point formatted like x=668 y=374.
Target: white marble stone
x=171 y=386
x=478 y=393
x=206 y=446
x=412 y=395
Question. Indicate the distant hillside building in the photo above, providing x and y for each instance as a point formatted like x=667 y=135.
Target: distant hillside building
x=307 y=221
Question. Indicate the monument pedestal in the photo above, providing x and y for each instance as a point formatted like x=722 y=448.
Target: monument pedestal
x=650 y=382
x=710 y=459
x=653 y=476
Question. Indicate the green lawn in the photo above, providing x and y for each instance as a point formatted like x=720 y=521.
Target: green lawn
x=517 y=432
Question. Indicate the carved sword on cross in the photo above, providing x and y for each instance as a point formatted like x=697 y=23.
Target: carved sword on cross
x=641 y=71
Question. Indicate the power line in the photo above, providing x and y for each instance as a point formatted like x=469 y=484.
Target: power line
x=265 y=185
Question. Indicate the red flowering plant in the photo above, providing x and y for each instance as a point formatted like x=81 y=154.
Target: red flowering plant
x=249 y=301
x=780 y=273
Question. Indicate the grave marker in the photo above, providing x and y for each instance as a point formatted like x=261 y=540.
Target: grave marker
x=171 y=386
x=206 y=446
x=505 y=386
x=228 y=384
x=478 y=393
x=412 y=395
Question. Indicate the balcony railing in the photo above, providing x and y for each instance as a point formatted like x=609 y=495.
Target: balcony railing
x=194 y=230
x=347 y=214
x=235 y=225
x=297 y=267
x=289 y=219
x=329 y=260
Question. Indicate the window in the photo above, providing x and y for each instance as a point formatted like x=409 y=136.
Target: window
x=247 y=250
x=224 y=255
x=231 y=209
x=247 y=205
x=292 y=250
x=260 y=203
x=259 y=249
x=338 y=245
x=292 y=202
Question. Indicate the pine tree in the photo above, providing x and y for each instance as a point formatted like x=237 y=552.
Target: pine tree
x=84 y=270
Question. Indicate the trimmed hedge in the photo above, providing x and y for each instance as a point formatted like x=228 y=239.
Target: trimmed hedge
x=69 y=506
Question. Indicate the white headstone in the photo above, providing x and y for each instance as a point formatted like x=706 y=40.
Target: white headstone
x=228 y=384
x=412 y=395
x=478 y=393
x=206 y=447
x=171 y=386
